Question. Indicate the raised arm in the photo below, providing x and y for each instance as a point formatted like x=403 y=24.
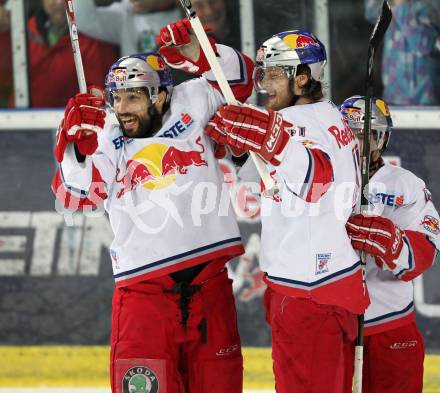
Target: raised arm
x=407 y=250
x=78 y=182
x=181 y=50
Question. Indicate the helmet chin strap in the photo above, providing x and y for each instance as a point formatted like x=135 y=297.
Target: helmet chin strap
x=156 y=120
x=375 y=165
x=156 y=117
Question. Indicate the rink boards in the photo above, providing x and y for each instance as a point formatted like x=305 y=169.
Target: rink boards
x=56 y=280
x=87 y=366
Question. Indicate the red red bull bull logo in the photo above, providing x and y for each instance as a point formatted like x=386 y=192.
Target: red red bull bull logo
x=431 y=224
x=353 y=114
x=299 y=41
x=157 y=166
x=118 y=75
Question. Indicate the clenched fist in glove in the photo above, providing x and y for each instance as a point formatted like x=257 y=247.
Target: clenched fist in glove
x=246 y=127
x=83 y=118
x=171 y=40
x=377 y=236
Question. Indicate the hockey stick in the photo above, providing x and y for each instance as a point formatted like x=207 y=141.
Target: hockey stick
x=71 y=20
x=226 y=90
x=376 y=38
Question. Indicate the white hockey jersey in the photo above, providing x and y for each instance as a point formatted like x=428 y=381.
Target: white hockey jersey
x=305 y=248
x=399 y=195
x=167 y=203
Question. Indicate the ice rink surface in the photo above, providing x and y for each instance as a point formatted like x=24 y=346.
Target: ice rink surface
x=86 y=390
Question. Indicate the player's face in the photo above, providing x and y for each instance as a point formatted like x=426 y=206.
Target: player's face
x=132 y=109
x=375 y=149
x=276 y=82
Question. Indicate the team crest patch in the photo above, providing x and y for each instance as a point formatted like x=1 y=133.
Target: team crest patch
x=140 y=376
x=322 y=261
x=431 y=224
x=140 y=380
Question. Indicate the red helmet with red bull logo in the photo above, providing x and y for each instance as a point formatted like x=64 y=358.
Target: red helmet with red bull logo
x=289 y=49
x=353 y=111
x=139 y=70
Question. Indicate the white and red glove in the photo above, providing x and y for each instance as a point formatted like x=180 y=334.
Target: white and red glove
x=218 y=134
x=83 y=118
x=174 y=35
x=377 y=236
x=246 y=127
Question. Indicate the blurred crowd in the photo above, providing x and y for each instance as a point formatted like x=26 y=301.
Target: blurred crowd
x=108 y=28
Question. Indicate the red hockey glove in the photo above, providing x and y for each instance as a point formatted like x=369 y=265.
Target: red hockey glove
x=83 y=118
x=215 y=130
x=259 y=130
x=177 y=34
x=377 y=236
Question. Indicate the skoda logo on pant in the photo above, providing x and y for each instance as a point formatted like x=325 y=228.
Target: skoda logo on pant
x=140 y=379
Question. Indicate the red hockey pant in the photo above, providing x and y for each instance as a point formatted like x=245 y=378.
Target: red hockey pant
x=308 y=341
x=393 y=361
x=148 y=337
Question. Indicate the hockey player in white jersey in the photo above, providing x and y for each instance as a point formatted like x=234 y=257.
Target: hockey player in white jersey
x=173 y=320
x=402 y=240
x=312 y=272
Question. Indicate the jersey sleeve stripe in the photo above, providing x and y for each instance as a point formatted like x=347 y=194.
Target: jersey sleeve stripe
x=77 y=192
x=241 y=83
x=242 y=77
x=309 y=174
x=79 y=199
x=319 y=178
x=410 y=259
x=422 y=254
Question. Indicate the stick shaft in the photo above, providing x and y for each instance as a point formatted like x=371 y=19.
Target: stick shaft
x=376 y=38
x=359 y=360
x=75 y=46
x=226 y=90
x=212 y=60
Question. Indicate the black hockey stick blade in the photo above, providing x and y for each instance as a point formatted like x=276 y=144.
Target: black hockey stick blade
x=187 y=6
x=382 y=24
x=378 y=34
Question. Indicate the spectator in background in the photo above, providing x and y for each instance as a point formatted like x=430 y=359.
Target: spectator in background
x=411 y=54
x=131 y=24
x=215 y=15
x=52 y=70
x=5 y=49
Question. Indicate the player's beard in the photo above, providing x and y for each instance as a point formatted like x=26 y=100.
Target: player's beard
x=147 y=125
